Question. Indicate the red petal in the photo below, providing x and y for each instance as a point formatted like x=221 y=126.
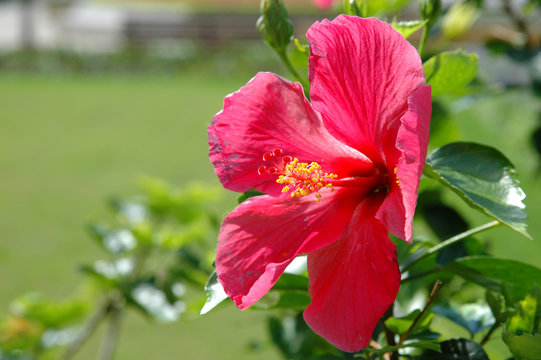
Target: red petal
x=361 y=73
x=264 y=234
x=353 y=282
x=409 y=155
x=272 y=113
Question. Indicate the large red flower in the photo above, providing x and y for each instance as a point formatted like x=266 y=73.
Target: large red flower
x=339 y=173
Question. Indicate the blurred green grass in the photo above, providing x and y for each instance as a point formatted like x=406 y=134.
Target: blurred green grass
x=69 y=142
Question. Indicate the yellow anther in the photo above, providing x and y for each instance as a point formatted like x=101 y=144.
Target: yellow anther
x=304 y=178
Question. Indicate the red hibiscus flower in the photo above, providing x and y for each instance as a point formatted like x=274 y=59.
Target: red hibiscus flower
x=339 y=173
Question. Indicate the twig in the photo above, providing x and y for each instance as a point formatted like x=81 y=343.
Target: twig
x=433 y=293
x=89 y=329
x=110 y=339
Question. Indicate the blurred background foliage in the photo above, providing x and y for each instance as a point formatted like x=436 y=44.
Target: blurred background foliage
x=97 y=94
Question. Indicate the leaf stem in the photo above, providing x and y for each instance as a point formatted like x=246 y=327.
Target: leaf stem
x=91 y=326
x=486 y=338
x=285 y=59
x=389 y=335
x=433 y=293
x=110 y=338
x=420 y=275
x=451 y=241
x=424 y=38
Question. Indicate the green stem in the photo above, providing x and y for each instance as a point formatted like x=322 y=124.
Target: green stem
x=433 y=293
x=486 y=338
x=451 y=241
x=424 y=38
x=110 y=339
x=420 y=275
x=389 y=335
x=291 y=68
x=92 y=324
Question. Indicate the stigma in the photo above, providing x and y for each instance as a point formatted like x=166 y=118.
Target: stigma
x=298 y=178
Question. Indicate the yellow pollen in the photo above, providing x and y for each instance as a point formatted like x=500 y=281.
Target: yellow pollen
x=304 y=178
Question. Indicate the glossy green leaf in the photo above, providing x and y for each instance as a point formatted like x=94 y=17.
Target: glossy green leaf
x=407 y=28
x=401 y=325
x=512 y=278
x=462 y=349
x=283 y=299
x=291 y=282
x=215 y=293
x=474 y=317
x=449 y=72
x=484 y=178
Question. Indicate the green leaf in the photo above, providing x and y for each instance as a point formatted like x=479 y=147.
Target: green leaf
x=245 y=196
x=407 y=28
x=215 y=293
x=289 y=292
x=449 y=72
x=512 y=278
x=462 y=349
x=525 y=346
x=484 y=178
x=414 y=343
x=474 y=317
x=283 y=299
x=401 y=325
x=35 y=307
x=291 y=282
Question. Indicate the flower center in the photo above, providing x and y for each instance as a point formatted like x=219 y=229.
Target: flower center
x=300 y=179
x=297 y=177
x=303 y=179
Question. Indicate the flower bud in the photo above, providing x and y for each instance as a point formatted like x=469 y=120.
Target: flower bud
x=430 y=10
x=355 y=7
x=274 y=25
